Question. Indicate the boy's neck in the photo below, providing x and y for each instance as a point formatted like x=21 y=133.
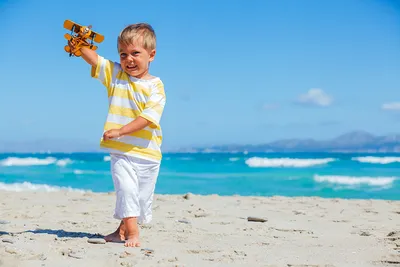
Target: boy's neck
x=147 y=76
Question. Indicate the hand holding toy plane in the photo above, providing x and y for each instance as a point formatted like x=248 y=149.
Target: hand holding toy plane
x=80 y=36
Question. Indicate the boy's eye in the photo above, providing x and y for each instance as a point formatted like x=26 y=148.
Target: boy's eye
x=135 y=53
x=123 y=55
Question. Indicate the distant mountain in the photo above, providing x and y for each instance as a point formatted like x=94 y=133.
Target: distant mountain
x=357 y=141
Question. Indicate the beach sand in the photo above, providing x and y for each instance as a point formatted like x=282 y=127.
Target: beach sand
x=53 y=229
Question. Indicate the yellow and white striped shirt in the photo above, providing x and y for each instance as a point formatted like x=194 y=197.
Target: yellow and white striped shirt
x=128 y=98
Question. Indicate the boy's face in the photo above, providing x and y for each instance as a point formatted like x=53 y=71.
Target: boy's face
x=135 y=59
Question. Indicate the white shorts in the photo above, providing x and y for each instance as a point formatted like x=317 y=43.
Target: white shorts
x=134 y=182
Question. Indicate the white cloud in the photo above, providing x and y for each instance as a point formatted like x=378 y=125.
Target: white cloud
x=316 y=97
x=391 y=106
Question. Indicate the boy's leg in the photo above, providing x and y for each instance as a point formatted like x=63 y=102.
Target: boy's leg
x=127 y=197
x=147 y=181
x=131 y=232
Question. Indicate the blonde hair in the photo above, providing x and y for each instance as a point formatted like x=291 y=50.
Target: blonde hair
x=133 y=32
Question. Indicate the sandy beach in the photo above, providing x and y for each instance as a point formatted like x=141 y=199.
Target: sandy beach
x=53 y=229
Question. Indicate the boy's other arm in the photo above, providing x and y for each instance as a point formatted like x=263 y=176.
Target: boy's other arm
x=149 y=117
x=136 y=125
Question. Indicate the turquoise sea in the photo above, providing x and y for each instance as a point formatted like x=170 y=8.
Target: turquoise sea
x=332 y=175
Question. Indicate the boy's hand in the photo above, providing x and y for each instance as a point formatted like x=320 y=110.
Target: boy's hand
x=89 y=55
x=71 y=45
x=113 y=133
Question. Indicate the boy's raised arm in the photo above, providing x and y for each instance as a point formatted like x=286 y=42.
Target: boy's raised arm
x=89 y=55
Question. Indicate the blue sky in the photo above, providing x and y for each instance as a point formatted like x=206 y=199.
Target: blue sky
x=234 y=71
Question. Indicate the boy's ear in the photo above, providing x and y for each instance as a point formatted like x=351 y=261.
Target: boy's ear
x=152 y=55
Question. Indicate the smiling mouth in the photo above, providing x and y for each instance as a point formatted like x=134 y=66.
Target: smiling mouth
x=131 y=67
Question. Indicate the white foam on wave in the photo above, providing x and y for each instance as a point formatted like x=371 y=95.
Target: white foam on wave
x=84 y=172
x=286 y=162
x=63 y=162
x=106 y=158
x=26 y=186
x=30 y=161
x=234 y=159
x=376 y=160
x=355 y=180
x=13 y=161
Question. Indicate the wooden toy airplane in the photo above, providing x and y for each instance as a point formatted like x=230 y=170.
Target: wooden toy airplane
x=79 y=37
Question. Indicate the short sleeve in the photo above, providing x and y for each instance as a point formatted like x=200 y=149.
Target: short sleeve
x=104 y=71
x=154 y=107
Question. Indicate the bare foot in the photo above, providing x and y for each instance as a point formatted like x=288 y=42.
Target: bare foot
x=118 y=235
x=131 y=232
x=114 y=237
x=132 y=241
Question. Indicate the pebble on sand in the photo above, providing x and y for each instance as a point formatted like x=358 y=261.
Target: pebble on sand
x=147 y=251
x=11 y=250
x=125 y=254
x=96 y=241
x=256 y=219
x=76 y=255
x=188 y=196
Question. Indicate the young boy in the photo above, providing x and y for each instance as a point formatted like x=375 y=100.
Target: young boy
x=132 y=132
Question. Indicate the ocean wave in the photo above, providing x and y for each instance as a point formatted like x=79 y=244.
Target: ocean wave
x=106 y=158
x=30 y=161
x=376 y=160
x=185 y=158
x=355 y=180
x=84 y=172
x=286 y=162
x=26 y=186
x=210 y=175
x=63 y=162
